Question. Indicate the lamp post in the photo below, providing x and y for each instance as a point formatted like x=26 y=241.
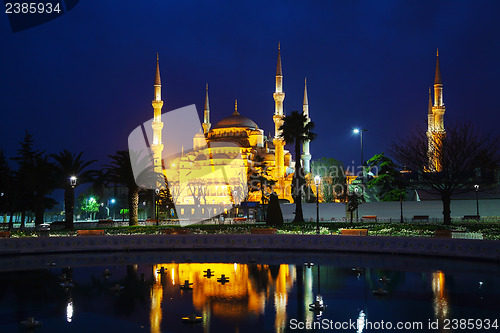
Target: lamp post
x=317 y=181
x=477 y=200
x=70 y=215
x=157 y=191
x=360 y=131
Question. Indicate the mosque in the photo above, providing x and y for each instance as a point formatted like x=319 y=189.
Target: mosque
x=216 y=172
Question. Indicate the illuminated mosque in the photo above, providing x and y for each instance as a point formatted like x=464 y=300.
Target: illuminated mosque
x=213 y=174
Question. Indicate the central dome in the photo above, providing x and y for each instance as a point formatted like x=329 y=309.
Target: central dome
x=236 y=120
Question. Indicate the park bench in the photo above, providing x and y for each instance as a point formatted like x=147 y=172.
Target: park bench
x=471 y=217
x=105 y=223
x=442 y=233
x=89 y=232
x=176 y=231
x=354 y=232
x=369 y=218
x=4 y=234
x=420 y=218
x=263 y=231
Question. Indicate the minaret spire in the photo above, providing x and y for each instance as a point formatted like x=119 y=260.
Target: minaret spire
x=157 y=78
x=157 y=125
x=235 y=113
x=206 y=114
x=278 y=65
x=306 y=155
x=437 y=77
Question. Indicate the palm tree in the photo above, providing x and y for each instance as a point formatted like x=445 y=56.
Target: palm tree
x=296 y=128
x=120 y=171
x=68 y=165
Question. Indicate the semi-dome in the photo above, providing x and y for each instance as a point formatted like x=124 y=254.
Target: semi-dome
x=236 y=121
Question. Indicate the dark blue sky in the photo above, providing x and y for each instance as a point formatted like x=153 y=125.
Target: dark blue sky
x=84 y=81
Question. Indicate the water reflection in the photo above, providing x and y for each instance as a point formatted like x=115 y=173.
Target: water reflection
x=440 y=296
x=264 y=295
x=245 y=294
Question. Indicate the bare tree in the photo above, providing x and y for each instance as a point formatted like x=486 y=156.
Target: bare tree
x=462 y=153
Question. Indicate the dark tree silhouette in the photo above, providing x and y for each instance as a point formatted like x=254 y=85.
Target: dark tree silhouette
x=296 y=129
x=463 y=152
x=69 y=165
x=119 y=171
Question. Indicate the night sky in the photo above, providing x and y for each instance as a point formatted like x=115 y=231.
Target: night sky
x=84 y=81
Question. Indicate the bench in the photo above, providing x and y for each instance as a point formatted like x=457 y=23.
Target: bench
x=420 y=218
x=4 y=226
x=173 y=231
x=369 y=218
x=354 y=232
x=105 y=223
x=471 y=217
x=262 y=231
x=4 y=234
x=239 y=219
x=89 y=232
x=442 y=233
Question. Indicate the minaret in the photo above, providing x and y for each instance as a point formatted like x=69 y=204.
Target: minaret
x=436 y=131
x=157 y=124
x=306 y=156
x=438 y=109
x=430 y=115
x=279 y=143
x=206 y=114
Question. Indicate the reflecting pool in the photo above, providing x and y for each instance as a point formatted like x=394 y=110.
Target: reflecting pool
x=246 y=292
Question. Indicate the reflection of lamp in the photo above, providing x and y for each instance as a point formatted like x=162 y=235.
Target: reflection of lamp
x=69 y=311
x=318 y=306
x=317 y=181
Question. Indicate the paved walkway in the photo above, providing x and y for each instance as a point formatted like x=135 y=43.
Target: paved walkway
x=447 y=247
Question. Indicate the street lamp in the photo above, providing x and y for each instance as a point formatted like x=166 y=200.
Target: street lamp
x=157 y=191
x=477 y=201
x=317 y=181
x=360 y=131
x=72 y=181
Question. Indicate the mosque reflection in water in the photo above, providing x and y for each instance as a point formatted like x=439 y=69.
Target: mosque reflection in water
x=249 y=289
x=245 y=295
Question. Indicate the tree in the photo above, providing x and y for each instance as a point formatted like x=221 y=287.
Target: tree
x=274 y=214
x=296 y=129
x=388 y=180
x=89 y=203
x=6 y=187
x=259 y=179
x=71 y=165
x=462 y=152
x=43 y=175
x=333 y=178
x=23 y=182
x=119 y=171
